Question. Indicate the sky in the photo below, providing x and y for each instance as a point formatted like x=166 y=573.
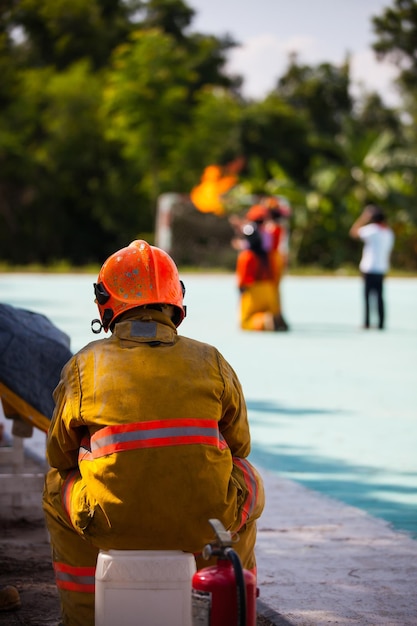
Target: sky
x=317 y=30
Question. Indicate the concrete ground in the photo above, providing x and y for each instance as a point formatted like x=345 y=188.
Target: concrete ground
x=322 y=562
x=333 y=418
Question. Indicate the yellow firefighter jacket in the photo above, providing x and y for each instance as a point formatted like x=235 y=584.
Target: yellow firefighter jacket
x=150 y=436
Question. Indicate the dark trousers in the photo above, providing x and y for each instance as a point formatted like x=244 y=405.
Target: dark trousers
x=374 y=287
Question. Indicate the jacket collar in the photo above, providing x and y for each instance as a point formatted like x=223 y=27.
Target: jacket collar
x=147 y=326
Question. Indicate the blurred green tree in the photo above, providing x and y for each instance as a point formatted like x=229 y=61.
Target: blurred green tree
x=60 y=32
x=320 y=93
x=396 y=31
x=145 y=104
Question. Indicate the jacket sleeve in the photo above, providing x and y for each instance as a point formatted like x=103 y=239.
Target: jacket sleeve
x=234 y=424
x=66 y=429
x=245 y=269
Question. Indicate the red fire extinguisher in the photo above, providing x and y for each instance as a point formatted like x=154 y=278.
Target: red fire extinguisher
x=223 y=594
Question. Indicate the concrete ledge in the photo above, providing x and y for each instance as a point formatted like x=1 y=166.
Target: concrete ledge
x=321 y=562
x=268 y=617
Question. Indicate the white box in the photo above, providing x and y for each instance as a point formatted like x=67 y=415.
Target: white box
x=143 y=588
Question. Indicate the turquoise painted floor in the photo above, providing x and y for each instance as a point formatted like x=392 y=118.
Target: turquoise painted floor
x=331 y=406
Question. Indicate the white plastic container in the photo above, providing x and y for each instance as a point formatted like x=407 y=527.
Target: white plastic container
x=143 y=588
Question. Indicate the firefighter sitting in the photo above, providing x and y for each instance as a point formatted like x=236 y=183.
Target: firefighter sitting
x=149 y=437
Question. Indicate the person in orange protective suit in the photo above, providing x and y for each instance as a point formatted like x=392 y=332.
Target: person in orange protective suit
x=259 y=269
x=255 y=276
x=149 y=438
x=276 y=239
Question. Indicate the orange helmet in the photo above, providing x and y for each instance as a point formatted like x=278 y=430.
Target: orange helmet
x=277 y=205
x=134 y=276
x=257 y=213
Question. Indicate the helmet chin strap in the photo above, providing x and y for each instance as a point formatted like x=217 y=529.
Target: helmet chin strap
x=96 y=326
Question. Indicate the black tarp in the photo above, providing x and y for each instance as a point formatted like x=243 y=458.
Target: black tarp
x=32 y=354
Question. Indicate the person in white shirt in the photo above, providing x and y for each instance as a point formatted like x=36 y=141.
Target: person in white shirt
x=378 y=238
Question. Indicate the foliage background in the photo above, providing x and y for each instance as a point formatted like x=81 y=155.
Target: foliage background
x=106 y=105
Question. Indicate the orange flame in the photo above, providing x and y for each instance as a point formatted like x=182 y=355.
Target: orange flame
x=215 y=181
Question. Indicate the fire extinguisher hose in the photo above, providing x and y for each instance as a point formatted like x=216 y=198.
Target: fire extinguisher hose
x=240 y=585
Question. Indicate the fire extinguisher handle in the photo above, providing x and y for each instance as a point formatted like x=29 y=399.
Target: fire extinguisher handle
x=224 y=537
